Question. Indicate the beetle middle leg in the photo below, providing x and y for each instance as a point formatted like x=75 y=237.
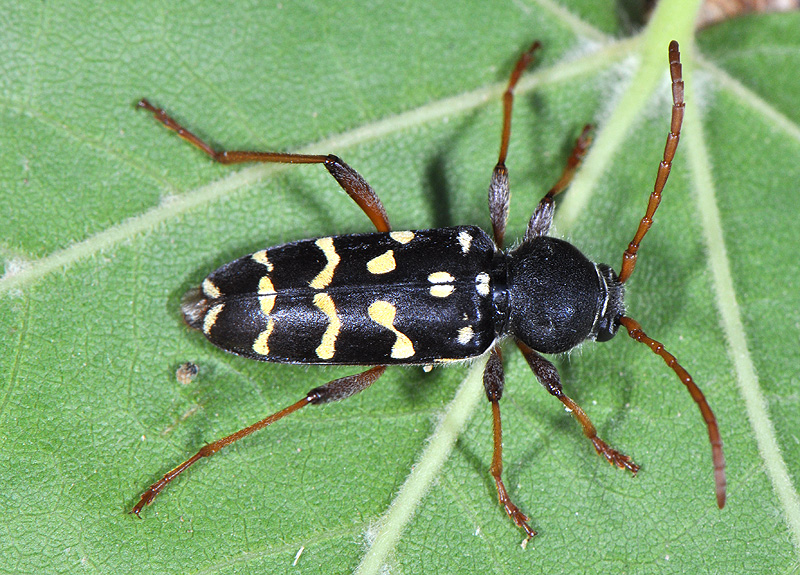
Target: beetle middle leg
x=499 y=196
x=335 y=390
x=547 y=374
x=350 y=180
x=493 y=381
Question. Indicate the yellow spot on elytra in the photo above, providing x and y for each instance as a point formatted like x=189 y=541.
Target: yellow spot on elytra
x=382 y=264
x=261 y=257
x=402 y=237
x=267 y=302
x=443 y=287
x=261 y=345
x=210 y=290
x=383 y=313
x=442 y=290
x=267 y=292
x=327 y=347
x=482 y=283
x=465 y=334
x=440 y=278
x=325 y=277
x=265 y=286
x=465 y=239
x=211 y=317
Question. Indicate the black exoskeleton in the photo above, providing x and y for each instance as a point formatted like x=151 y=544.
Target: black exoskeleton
x=424 y=297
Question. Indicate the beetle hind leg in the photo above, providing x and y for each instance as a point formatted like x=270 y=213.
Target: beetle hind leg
x=335 y=390
x=349 y=180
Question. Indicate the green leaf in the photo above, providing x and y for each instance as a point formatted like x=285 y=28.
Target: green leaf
x=109 y=219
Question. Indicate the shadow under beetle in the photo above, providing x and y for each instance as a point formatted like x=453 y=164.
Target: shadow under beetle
x=427 y=297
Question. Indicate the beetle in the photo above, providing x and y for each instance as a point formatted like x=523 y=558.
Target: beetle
x=426 y=297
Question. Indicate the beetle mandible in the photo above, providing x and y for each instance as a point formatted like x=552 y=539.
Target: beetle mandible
x=426 y=297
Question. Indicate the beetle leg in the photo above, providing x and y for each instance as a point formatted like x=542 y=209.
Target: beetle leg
x=493 y=381
x=499 y=195
x=335 y=390
x=548 y=376
x=350 y=180
x=542 y=217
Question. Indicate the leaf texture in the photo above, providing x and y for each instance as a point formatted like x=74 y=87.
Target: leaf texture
x=109 y=219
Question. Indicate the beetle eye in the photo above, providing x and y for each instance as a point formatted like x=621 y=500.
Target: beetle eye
x=607 y=328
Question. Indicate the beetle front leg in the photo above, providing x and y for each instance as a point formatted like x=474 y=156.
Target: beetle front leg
x=542 y=217
x=493 y=381
x=350 y=180
x=547 y=374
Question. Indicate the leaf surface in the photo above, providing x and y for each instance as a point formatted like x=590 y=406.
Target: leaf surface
x=110 y=219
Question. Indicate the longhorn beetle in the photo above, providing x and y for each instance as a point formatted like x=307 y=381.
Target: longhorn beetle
x=428 y=297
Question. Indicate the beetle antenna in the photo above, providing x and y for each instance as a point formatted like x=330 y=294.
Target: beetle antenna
x=676 y=73
x=635 y=331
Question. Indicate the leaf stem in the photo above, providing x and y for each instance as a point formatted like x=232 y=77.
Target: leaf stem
x=385 y=535
x=671 y=20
